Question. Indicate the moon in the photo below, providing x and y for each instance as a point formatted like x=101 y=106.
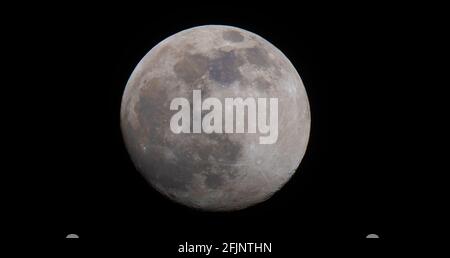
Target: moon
x=214 y=171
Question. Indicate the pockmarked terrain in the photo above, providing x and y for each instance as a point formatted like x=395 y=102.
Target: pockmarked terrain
x=207 y=170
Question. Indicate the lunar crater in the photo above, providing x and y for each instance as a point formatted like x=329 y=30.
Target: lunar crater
x=233 y=36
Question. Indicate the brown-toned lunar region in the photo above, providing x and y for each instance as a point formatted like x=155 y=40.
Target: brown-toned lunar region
x=216 y=171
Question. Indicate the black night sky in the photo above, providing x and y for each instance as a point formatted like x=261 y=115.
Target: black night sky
x=346 y=186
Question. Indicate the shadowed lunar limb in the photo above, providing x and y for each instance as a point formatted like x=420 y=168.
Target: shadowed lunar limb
x=214 y=171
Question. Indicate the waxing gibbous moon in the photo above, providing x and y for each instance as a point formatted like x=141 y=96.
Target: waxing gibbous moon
x=214 y=171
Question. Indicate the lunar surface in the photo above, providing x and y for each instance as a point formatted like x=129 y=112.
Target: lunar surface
x=214 y=171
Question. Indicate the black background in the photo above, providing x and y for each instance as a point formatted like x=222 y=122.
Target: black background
x=74 y=67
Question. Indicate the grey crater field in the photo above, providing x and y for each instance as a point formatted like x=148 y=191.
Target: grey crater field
x=214 y=172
